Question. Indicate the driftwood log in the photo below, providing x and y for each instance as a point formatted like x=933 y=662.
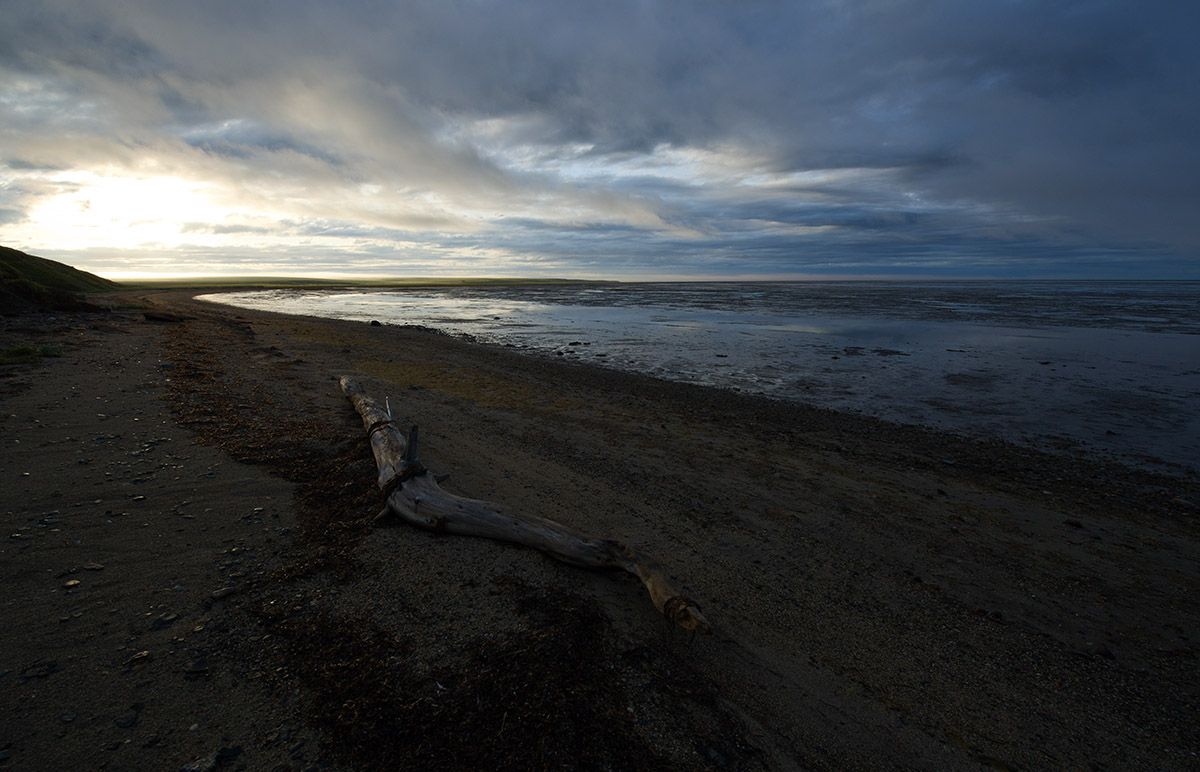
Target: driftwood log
x=415 y=497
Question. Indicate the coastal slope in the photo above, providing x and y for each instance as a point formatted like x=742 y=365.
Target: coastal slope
x=29 y=283
x=882 y=596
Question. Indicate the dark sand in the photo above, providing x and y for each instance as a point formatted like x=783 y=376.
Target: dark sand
x=191 y=575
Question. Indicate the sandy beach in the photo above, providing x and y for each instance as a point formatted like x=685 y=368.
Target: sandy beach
x=193 y=578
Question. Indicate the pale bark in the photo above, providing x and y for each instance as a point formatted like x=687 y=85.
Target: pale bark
x=415 y=497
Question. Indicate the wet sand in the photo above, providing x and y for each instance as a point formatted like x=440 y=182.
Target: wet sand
x=192 y=573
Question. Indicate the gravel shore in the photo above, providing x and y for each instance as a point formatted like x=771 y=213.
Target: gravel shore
x=193 y=579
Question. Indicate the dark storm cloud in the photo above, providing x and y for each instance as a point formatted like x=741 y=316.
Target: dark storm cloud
x=759 y=135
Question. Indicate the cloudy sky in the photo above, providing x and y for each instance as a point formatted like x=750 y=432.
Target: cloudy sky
x=620 y=139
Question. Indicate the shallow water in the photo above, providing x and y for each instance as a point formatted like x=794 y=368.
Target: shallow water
x=1109 y=368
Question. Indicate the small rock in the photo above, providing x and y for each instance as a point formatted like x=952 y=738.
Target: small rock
x=164 y=316
x=206 y=764
x=715 y=757
x=196 y=668
x=224 y=592
x=212 y=761
x=41 y=669
x=376 y=323
x=1073 y=522
x=126 y=720
x=228 y=753
x=140 y=657
x=163 y=620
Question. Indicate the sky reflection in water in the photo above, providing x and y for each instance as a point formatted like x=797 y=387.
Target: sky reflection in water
x=1127 y=387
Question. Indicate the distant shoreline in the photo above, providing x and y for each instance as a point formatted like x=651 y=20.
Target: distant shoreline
x=1061 y=387
x=268 y=282
x=286 y=282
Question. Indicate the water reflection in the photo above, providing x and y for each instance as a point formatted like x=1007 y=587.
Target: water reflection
x=1005 y=360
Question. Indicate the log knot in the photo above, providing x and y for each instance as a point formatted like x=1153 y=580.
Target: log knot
x=683 y=611
x=410 y=466
x=409 y=470
x=378 y=426
x=406 y=471
x=674 y=606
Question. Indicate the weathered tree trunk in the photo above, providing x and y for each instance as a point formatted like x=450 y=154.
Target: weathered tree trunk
x=415 y=497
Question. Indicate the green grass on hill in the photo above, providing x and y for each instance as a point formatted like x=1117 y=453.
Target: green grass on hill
x=16 y=266
x=31 y=284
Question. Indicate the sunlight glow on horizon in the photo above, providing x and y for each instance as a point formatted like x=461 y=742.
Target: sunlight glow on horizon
x=93 y=210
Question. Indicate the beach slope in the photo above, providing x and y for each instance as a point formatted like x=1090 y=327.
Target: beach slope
x=192 y=572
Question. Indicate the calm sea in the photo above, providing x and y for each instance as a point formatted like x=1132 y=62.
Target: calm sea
x=1104 y=368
